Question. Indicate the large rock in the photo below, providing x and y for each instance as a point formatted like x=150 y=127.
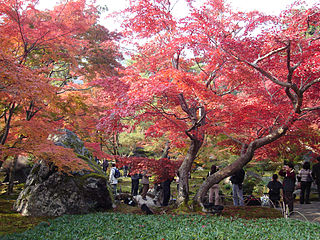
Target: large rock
x=49 y=192
x=69 y=139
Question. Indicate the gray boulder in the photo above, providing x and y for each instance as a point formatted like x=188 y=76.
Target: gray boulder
x=69 y=139
x=49 y=192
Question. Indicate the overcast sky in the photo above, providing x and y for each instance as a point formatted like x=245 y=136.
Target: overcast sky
x=266 y=6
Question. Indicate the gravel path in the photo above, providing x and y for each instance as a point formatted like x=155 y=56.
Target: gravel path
x=310 y=212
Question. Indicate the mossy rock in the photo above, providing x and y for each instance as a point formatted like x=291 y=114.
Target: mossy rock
x=49 y=193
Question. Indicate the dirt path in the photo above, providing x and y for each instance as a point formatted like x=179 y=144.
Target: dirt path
x=310 y=212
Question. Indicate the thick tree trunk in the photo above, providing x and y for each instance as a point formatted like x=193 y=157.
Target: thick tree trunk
x=245 y=157
x=4 y=135
x=185 y=169
x=197 y=115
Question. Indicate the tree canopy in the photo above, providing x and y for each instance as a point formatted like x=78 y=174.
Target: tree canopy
x=251 y=77
x=247 y=79
x=44 y=56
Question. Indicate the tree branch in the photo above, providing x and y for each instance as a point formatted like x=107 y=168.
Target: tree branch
x=269 y=54
x=307 y=86
x=74 y=89
x=310 y=109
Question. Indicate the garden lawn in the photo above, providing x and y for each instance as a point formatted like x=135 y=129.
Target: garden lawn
x=132 y=226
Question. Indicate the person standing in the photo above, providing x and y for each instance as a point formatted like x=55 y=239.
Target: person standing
x=166 y=191
x=305 y=179
x=237 y=189
x=316 y=174
x=274 y=190
x=112 y=178
x=145 y=183
x=288 y=183
x=125 y=170
x=97 y=160
x=105 y=165
x=135 y=184
x=214 y=190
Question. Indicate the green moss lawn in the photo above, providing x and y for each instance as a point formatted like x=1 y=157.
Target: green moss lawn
x=133 y=226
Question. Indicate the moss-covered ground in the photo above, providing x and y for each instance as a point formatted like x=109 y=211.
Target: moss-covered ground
x=11 y=221
x=192 y=226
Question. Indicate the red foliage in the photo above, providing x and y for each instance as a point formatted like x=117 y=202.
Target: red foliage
x=162 y=169
x=41 y=53
x=252 y=74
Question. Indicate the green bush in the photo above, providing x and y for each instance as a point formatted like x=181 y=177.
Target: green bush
x=131 y=226
x=249 y=184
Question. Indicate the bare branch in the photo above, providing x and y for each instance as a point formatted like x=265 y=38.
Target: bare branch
x=74 y=89
x=307 y=86
x=162 y=111
x=310 y=109
x=268 y=75
x=183 y=104
x=269 y=54
x=263 y=72
x=234 y=139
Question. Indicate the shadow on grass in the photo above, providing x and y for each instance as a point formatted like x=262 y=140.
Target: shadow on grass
x=10 y=220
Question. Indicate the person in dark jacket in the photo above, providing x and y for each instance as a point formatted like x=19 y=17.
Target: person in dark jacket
x=105 y=165
x=316 y=174
x=288 y=184
x=166 y=191
x=274 y=190
x=237 y=190
x=135 y=184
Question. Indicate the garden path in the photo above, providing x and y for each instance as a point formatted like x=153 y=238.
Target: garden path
x=311 y=212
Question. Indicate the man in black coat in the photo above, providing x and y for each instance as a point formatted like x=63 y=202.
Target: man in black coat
x=166 y=191
x=316 y=174
x=289 y=179
x=237 y=190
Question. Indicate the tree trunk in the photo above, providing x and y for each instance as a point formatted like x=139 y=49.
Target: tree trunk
x=197 y=115
x=185 y=169
x=4 y=135
x=245 y=157
x=11 y=175
x=166 y=150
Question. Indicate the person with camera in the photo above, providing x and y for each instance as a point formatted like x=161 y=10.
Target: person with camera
x=289 y=179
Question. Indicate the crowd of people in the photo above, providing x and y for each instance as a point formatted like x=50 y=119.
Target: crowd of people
x=291 y=181
x=277 y=190
x=137 y=179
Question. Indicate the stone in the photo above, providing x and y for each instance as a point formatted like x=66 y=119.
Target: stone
x=49 y=192
x=150 y=201
x=69 y=139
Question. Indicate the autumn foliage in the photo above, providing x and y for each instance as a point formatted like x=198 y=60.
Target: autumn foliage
x=251 y=78
x=44 y=54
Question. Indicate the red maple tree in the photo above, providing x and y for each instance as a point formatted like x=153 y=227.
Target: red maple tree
x=43 y=55
x=251 y=77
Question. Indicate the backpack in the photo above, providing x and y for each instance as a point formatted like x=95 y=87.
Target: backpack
x=116 y=173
